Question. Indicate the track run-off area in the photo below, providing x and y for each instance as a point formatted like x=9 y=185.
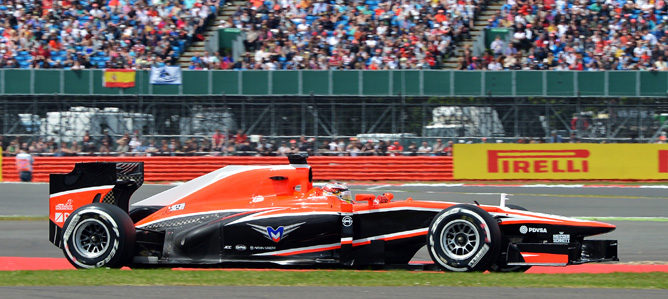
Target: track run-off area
x=640 y=213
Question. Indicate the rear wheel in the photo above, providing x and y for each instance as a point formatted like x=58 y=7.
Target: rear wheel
x=98 y=235
x=464 y=238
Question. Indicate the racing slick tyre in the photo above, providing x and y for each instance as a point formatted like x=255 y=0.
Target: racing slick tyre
x=500 y=264
x=98 y=235
x=464 y=238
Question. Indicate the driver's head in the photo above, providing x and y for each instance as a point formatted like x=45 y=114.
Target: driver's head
x=339 y=190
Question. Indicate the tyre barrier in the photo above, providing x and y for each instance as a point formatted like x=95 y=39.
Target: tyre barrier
x=161 y=169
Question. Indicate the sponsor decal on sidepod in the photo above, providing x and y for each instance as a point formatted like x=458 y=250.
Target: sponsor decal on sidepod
x=61 y=217
x=177 y=207
x=275 y=234
x=561 y=238
x=347 y=221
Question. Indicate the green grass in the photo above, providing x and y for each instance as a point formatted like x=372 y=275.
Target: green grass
x=145 y=277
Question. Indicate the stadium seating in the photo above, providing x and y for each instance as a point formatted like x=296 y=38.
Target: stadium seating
x=99 y=33
x=580 y=35
x=365 y=34
x=337 y=34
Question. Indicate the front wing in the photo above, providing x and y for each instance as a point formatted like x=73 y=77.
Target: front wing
x=561 y=254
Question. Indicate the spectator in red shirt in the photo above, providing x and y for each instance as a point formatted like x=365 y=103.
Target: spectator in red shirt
x=218 y=139
x=447 y=151
x=395 y=149
x=240 y=137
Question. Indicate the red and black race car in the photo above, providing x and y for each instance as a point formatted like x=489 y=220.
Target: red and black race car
x=240 y=215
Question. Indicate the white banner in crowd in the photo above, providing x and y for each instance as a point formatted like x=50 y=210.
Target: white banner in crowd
x=166 y=75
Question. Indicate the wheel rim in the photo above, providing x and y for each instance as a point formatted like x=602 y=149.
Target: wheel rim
x=460 y=239
x=91 y=238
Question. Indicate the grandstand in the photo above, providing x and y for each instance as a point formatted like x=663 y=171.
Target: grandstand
x=100 y=34
x=337 y=34
x=320 y=73
x=578 y=35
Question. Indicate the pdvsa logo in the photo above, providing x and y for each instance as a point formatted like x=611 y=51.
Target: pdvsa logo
x=275 y=234
x=524 y=229
x=537 y=161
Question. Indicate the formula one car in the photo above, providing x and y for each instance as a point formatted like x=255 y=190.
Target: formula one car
x=273 y=215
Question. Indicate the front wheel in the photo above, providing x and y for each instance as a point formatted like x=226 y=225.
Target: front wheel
x=464 y=238
x=98 y=235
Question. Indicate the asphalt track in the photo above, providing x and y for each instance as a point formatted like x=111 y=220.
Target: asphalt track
x=639 y=241
x=31 y=199
x=322 y=292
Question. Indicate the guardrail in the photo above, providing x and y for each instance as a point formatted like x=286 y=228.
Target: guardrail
x=413 y=83
x=159 y=169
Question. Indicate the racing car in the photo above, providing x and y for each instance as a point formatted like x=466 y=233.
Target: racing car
x=274 y=215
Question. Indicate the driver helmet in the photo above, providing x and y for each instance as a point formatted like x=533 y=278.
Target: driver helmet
x=339 y=190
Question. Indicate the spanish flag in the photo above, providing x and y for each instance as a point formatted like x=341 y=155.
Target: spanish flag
x=118 y=78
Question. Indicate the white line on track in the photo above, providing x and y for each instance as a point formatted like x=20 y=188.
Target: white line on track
x=377 y=187
x=552 y=186
x=533 y=186
x=484 y=193
x=431 y=185
x=467 y=193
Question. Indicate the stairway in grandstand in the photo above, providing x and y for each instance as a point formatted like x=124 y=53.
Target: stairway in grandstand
x=493 y=7
x=225 y=12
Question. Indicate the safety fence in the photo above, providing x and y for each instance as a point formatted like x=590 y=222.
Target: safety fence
x=412 y=83
x=165 y=169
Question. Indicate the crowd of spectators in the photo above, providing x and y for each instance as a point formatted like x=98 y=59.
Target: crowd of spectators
x=87 y=34
x=242 y=145
x=283 y=34
x=577 y=35
x=218 y=144
x=335 y=34
x=351 y=34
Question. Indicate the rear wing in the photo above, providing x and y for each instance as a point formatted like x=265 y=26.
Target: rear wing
x=104 y=182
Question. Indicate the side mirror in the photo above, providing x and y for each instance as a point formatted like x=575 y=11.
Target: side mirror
x=365 y=197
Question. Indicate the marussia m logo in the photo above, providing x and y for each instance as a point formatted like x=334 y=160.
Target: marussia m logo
x=275 y=234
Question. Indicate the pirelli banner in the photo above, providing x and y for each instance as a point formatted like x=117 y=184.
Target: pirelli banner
x=570 y=161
